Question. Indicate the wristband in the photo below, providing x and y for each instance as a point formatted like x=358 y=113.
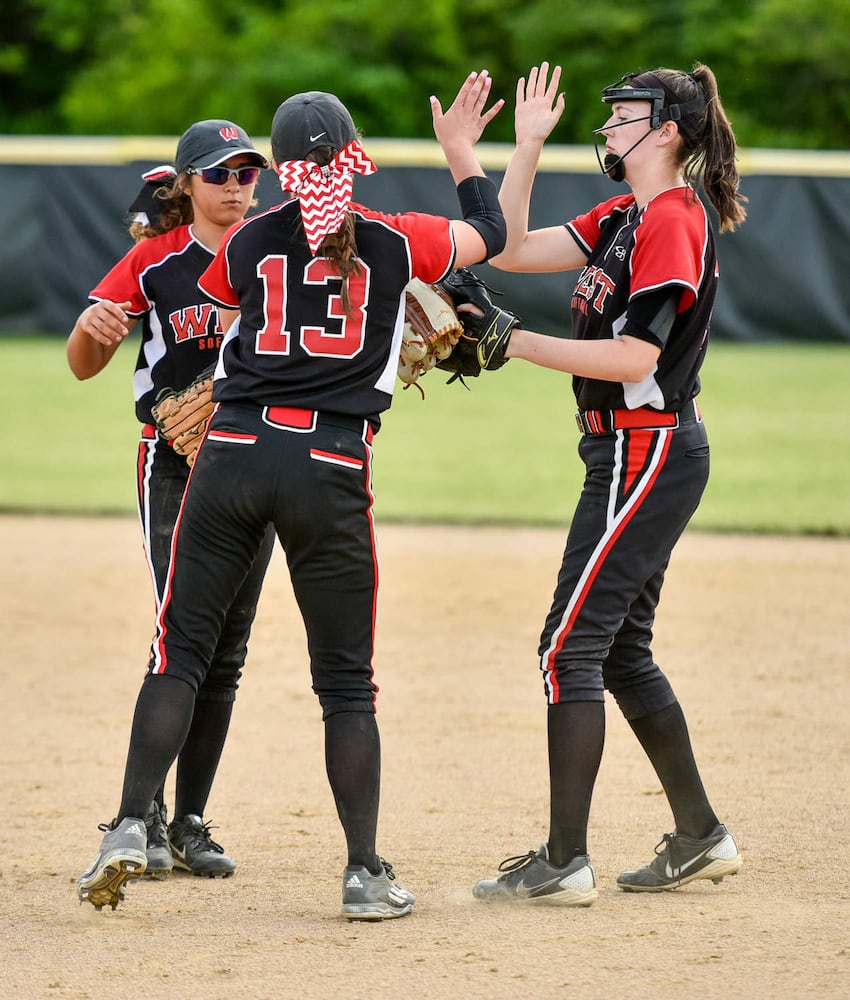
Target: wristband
x=479 y=206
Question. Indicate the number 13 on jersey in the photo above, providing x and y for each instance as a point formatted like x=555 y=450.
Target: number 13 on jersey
x=341 y=338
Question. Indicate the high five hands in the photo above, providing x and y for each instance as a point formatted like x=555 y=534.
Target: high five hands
x=466 y=118
x=539 y=106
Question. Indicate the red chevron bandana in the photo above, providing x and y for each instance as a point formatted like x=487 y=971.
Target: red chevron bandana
x=324 y=193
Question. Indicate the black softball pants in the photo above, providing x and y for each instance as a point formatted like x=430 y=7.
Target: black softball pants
x=161 y=480
x=312 y=484
x=641 y=488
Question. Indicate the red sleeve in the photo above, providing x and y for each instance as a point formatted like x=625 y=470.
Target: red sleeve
x=215 y=281
x=585 y=228
x=429 y=237
x=123 y=284
x=670 y=246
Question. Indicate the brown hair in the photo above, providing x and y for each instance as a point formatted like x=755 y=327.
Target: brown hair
x=707 y=152
x=176 y=210
x=339 y=247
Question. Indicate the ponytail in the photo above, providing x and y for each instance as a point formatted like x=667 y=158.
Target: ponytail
x=708 y=148
x=719 y=170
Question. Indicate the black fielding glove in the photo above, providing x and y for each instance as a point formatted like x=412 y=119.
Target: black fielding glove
x=490 y=332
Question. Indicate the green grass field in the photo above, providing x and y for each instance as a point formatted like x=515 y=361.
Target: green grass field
x=505 y=452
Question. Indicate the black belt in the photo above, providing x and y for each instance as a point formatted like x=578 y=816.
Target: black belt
x=642 y=418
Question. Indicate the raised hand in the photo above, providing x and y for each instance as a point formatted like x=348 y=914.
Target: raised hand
x=539 y=106
x=465 y=120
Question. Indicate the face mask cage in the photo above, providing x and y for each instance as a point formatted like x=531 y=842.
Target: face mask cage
x=622 y=90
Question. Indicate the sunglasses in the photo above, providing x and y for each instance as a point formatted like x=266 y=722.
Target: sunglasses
x=221 y=175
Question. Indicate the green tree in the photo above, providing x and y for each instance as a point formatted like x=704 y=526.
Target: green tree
x=151 y=66
x=795 y=74
x=241 y=61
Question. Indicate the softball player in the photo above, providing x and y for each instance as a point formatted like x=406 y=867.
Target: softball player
x=640 y=311
x=186 y=212
x=304 y=374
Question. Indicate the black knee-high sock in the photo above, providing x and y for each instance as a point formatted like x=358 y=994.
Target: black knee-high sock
x=199 y=756
x=162 y=718
x=353 y=761
x=576 y=738
x=664 y=737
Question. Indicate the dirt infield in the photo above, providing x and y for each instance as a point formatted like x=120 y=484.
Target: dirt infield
x=752 y=631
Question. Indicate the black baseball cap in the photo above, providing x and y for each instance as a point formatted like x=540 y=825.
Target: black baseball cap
x=210 y=142
x=305 y=121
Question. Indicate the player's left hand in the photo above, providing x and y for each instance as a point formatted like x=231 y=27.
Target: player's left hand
x=539 y=106
x=487 y=328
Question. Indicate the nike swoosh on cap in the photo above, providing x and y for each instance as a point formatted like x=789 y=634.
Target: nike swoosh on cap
x=313 y=138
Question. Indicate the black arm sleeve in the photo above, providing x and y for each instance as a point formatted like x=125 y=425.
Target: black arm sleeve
x=650 y=316
x=479 y=205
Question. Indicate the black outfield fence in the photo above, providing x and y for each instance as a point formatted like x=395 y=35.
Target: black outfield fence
x=784 y=274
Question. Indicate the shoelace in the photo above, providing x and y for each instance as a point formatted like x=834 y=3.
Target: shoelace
x=156 y=825
x=668 y=844
x=388 y=869
x=200 y=836
x=665 y=844
x=520 y=861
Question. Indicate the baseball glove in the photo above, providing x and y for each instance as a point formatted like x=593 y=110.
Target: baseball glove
x=487 y=331
x=463 y=361
x=181 y=417
x=431 y=331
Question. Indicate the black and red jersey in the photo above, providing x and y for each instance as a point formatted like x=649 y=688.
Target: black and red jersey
x=667 y=244
x=181 y=332
x=293 y=344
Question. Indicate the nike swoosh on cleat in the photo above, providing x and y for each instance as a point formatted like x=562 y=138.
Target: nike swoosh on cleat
x=668 y=871
x=532 y=890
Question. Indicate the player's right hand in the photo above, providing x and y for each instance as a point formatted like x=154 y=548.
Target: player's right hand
x=106 y=322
